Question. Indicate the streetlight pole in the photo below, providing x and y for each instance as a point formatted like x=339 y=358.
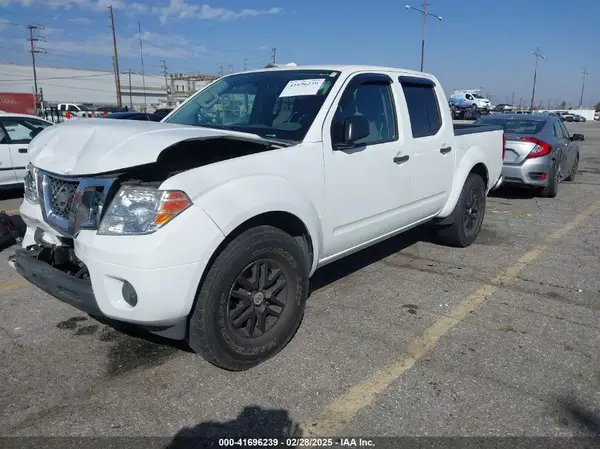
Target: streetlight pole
x=425 y=12
x=585 y=73
x=537 y=55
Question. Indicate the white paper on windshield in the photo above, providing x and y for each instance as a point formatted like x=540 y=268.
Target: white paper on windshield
x=297 y=88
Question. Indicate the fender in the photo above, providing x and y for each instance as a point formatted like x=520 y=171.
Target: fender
x=474 y=155
x=237 y=200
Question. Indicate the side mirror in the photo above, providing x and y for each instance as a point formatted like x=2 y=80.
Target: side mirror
x=356 y=128
x=577 y=137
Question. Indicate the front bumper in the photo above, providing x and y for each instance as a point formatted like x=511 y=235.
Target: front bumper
x=164 y=269
x=75 y=292
x=531 y=173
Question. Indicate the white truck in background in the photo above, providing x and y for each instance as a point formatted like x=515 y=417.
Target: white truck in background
x=207 y=226
x=75 y=109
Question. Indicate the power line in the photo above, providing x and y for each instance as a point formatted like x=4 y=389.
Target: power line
x=115 y=57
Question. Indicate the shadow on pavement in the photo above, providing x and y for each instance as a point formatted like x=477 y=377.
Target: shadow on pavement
x=354 y=262
x=583 y=417
x=252 y=422
x=514 y=193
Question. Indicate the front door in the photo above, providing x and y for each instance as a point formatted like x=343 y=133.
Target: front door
x=366 y=185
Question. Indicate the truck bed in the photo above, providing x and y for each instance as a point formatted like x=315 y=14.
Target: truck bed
x=460 y=129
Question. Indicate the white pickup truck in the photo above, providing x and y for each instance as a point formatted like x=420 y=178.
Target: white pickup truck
x=208 y=225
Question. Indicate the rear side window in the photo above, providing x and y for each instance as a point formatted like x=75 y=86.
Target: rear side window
x=558 y=130
x=423 y=106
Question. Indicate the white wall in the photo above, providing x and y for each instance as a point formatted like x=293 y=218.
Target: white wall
x=61 y=85
x=587 y=113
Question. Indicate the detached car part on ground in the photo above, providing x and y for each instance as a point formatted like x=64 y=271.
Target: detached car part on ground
x=209 y=226
x=540 y=151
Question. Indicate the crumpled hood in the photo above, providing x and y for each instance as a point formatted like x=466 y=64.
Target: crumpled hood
x=92 y=146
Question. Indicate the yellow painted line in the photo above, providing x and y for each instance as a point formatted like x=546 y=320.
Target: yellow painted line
x=339 y=413
x=13 y=284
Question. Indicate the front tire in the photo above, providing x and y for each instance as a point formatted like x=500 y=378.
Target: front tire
x=467 y=216
x=252 y=300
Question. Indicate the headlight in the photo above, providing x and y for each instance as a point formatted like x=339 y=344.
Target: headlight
x=30 y=185
x=142 y=210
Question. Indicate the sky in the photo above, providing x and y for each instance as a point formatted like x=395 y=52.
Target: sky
x=484 y=44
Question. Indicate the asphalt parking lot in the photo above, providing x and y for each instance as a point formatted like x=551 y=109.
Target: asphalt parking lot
x=406 y=338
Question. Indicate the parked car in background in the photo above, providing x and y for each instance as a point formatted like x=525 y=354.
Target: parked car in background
x=16 y=132
x=540 y=152
x=104 y=110
x=567 y=116
x=462 y=99
x=141 y=116
x=163 y=111
x=580 y=118
x=502 y=108
x=597 y=115
x=208 y=225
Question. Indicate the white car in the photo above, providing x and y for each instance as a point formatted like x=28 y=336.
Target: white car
x=16 y=131
x=208 y=225
x=596 y=115
x=469 y=99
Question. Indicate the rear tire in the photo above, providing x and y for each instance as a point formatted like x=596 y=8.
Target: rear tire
x=252 y=300
x=467 y=216
x=551 y=190
x=573 y=172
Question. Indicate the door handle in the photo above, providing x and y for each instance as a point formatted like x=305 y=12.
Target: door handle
x=445 y=150
x=22 y=150
x=400 y=159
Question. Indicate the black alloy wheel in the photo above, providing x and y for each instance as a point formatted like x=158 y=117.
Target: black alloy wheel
x=257 y=298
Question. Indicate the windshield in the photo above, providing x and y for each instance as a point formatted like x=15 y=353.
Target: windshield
x=272 y=104
x=515 y=125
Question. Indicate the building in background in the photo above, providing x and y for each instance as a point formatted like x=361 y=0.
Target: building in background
x=91 y=87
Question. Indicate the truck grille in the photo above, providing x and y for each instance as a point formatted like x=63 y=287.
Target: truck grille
x=62 y=193
x=71 y=204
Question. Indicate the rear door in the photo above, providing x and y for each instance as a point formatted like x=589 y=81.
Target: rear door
x=563 y=144
x=431 y=140
x=7 y=174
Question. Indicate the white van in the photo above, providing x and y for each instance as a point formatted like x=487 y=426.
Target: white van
x=469 y=99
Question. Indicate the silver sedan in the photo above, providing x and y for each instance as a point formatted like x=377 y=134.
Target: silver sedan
x=540 y=152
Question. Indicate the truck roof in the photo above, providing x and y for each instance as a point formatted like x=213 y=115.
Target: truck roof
x=345 y=69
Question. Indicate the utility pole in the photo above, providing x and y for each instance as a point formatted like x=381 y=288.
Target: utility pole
x=512 y=101
x=585 y=73
x=143 y=70
x=166 y=75
x=273 y=55
x=245 y=64
x=425 y=12
x=220 y=72
x=130 y=97
x=230 y=68
x=116 y=57
x=33 y=49
x=537 y=55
